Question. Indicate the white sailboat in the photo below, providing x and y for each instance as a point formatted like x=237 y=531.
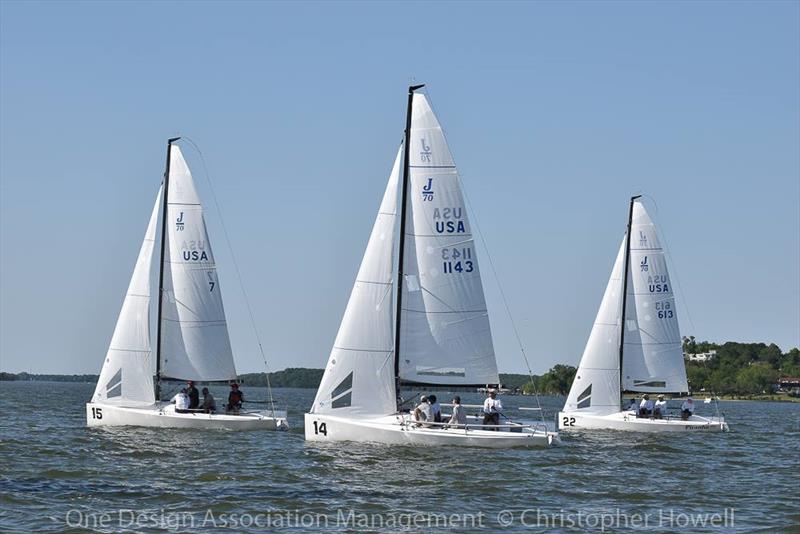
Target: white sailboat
x=192 y=338
x=635 y=343
x=428 y=326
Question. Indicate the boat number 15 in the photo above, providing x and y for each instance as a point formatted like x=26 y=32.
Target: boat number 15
x=320 y=428
x=568 y=421
x=97 y=413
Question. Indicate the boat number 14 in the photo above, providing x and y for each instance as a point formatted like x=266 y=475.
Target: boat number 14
x=320 y=428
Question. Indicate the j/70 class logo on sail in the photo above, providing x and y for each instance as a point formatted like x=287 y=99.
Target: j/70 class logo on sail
x=179 y=224
x=425 y=153
x=427 y=190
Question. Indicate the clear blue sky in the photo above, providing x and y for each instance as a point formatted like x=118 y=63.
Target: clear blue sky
x=556 y=113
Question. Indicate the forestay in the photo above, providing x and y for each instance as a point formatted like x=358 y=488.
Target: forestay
x=195 y=342
x=127 y=374
x=652 y=356
x=359 y=375
x=445 y=332
x=596 y=386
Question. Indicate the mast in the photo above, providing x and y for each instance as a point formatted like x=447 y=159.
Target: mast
x=161 y=267
x=403 y=195
x=625 y=293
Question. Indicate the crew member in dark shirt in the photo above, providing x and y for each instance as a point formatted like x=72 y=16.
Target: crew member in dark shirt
x=235 y=398
x=194 y=395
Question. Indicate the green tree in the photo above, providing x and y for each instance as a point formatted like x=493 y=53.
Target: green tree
x=556 y=381
x=756 y=378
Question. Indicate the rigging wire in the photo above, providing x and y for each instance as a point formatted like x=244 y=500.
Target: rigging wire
x=505 y=303
x=238 y=271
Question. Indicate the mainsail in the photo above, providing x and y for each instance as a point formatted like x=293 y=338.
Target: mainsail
x=445 y=333
x=194 y=333
x=359 y=376
x=652 y=355
x=127 y=375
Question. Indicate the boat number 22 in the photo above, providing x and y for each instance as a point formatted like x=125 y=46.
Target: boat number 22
x=97 y=413
x=320 y=428
x=568 y=421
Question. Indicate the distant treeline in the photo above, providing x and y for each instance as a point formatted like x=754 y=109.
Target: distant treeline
x=48 y=378
x=739 y=368
x=555 y=381
x=293 y=377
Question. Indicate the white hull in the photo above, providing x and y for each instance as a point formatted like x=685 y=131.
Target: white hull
x=400 y=430
x=165 y=416
x=628 y=421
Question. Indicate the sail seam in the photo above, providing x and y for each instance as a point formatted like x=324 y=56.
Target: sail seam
x=363 y=350
x=443 y=237
x=186 y=322
x=453 y=311
x=432 y=166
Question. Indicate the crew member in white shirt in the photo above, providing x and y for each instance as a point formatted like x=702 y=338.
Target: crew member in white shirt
x=181 y=401
x=459 y=417
x=423 y=410
x=646 y=406
x=660 y=409
x=491 y=409
x=687 y=409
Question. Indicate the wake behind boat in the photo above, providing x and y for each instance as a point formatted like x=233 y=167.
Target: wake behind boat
x=192 y=338
x=635 y=344
x=429 y=327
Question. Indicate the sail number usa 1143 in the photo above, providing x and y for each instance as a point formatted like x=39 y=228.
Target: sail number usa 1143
x=457 y=260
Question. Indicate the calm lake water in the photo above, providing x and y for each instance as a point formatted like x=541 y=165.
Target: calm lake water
x=57 y=475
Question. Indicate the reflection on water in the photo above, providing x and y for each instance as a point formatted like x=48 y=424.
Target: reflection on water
x=50 y=463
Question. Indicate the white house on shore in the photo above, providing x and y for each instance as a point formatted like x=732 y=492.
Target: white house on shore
x=700 y=356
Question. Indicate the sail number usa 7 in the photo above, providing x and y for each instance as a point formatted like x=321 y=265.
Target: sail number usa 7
x=457 y=260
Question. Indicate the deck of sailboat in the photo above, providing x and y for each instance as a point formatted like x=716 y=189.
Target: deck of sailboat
x=401 y=429
x=627 y=420
x=163 y=415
